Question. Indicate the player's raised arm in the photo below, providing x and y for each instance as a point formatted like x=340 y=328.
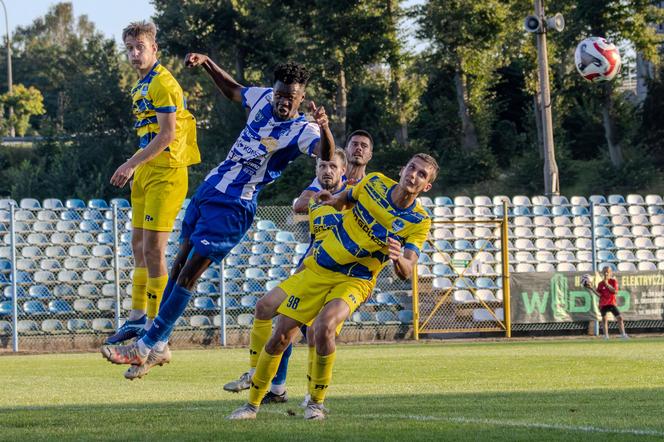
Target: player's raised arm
x=340 y=201
x=325 y=147
x=226 y=84
x=301 y=204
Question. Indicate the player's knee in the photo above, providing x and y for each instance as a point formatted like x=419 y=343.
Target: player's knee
x=153 y=255
x=325 y=332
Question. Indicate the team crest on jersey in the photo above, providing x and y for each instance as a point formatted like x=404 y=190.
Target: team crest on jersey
x=259 y=117
x=397 y=225
x=270 y=143
x=144 y=90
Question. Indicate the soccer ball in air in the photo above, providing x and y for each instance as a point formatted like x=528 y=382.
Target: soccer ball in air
x=597 y=60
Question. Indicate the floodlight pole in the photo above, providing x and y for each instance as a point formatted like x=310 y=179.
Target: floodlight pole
x=12 y=133
x=551 y=177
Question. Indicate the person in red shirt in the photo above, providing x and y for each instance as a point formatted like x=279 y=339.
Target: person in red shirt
x=606 y=291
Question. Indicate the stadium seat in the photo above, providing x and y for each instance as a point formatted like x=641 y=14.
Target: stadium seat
x=524 y=257
x=545 y=256
x=263 y=236
x=646 y=266
x=584 y=256
x=5 y=308
x=39 y=291
x=624 y=243
x=443 y=201
x=266 y=224
x=542 y=221
x=259 y=260
x=89 y=291
x=78 y=325
x=442 y=283
x=84 y=238
x=387 y=318
x=640 y=231
x=233 y=274
x=364 y=317
x=34 y=308
x=27 y=326
x=644 y=243
x=206 y=288
x=278 y=273
x=525 y=268
x=245 y=319
x=29 y=203
x=442 y=212
x=545 y=267
x=248 y=301
x=566 y=267
x=26 y=264
x=75 y=203
x=97 y=204
x=606 y=256
x=106 y=304
x=645 y=255
x=616 y=199
x=204 y=303
x=43 y=227
x=5 y=328
x=59 y=307
x=482 y=201
x=626 y=267
x=405 y=316
x=604 y=244
x=524 y=244
x=5 y=203
x=625 y=255
x=43 y=276
x=482 y=315
x=62 y=290
x=78 y=251
x=425 y=201
x=103 y=325
x=84 y=306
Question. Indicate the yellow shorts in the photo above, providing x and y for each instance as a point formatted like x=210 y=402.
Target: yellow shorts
x=307 y=293
x=157 y=195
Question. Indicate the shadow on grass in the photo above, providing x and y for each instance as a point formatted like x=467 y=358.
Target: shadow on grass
x=618 y=414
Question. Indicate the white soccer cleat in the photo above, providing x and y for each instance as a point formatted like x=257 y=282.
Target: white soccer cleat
x=306 y=400
x=314 y=412
x=247 y=411
x=154 y=358
x=238 y=385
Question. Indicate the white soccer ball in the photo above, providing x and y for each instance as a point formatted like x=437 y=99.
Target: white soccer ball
x=597 y=59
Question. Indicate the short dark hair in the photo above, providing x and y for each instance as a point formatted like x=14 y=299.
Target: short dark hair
x=289 y=73
x=362 y=133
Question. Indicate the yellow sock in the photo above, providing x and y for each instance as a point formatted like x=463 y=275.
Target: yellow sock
x=155 y=291
x=139 y=296
x=260 y=333
x=310 y=364
x=321 y=375
x=265 y=370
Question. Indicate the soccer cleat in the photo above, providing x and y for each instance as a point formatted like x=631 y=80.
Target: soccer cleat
x=154 y=358
x=129 y=330
x=305 y=402
x=247 y=411
x=624 y=336
x=240 y=384
x=314 y=411
x=272 y=398
x=123 y=354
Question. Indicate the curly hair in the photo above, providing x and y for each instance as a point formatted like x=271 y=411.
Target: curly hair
x=289 y=73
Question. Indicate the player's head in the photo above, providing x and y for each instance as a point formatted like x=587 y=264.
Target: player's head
x=140 y=40
x=329 y=173
x=359 y=147
x=607 y=272
x=290 y=81
x=418 y=174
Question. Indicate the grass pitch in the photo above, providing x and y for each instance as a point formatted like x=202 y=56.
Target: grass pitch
x=535 y=390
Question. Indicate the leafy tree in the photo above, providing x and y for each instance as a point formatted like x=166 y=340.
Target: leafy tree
x=25 y=102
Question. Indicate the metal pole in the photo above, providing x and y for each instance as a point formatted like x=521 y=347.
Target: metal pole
x=12 y=247
x=116 y=263
x=593 y=237
x=9 y=68
x=551 y=178
x=222 y=311
x=416 y=305
x=506 y=272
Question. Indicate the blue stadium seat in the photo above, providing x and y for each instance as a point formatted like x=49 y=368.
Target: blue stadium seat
x=616 y=199
x=443 y=201
x=233 y=287
x=34 y=308
x=21 y=292
x=206 y=288
x=93 y=215
x=464 y=283
x=520 y=211
x=204 y=303
x=75 y=203
x=233 y=274
x=62 y=290
x=97 y=204
x=485 y=283
x=277 y=273
x=90 y=226
x=5 y=308
x=387 y=318
x=5 y=265
x=59 y=307
x=442 y=270
x=210 y=274
x=606 y=256
x=258 y=261
x=39 y=291
x=232 y=303
x=385 y=299
x=121 y=203
x=405 y=316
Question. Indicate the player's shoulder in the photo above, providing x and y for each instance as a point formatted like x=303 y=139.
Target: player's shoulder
x=164 y=79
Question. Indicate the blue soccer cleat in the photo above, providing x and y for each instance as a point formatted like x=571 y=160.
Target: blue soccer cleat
x=129 y=330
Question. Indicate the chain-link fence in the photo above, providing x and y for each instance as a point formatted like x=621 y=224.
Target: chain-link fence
x=73 y=270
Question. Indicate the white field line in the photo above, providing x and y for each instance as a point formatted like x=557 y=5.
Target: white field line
x=414 y=417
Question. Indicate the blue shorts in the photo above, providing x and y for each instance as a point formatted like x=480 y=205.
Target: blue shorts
x=215 y=222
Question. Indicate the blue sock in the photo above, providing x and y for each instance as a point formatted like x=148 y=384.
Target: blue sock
x=282 y=371
x=169 y=312
x=167 y=291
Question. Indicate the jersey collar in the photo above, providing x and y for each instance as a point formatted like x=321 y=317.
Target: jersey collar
x=399 y=209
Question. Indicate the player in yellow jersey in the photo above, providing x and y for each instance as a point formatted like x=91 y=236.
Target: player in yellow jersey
x=384 y=223
x=329 y=175
x=167 y=145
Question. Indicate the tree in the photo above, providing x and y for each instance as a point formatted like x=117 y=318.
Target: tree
x=467 y=38
x=26 y=102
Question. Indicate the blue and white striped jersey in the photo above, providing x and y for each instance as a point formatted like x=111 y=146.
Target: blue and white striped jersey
x=263 y=149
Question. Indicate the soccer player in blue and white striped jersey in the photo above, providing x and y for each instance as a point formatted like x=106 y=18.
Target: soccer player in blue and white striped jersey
x=223 y=208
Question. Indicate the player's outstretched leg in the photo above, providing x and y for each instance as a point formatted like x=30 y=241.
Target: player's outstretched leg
x=266 y=368
x=266 y=309
x=277 y=392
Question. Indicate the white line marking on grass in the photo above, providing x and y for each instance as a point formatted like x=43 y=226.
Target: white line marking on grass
x=519 y=424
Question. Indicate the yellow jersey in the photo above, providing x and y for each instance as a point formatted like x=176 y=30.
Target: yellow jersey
x=160 y=92
x=357 y=246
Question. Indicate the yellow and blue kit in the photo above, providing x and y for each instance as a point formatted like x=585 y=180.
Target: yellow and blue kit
x=160 y=185
x=345 y=263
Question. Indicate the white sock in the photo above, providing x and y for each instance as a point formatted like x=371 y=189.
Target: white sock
x=135 y=315
x=278 y=389
x=160 y=345
x=148 y=323
x=143 y=349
